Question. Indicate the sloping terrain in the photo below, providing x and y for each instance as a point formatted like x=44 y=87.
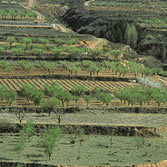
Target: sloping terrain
x=105 y=107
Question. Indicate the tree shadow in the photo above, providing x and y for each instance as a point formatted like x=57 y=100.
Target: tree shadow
x=34 y=156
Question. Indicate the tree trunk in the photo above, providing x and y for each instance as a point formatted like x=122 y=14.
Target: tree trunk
x=62 y=103
x=87 y=104
x=164 y=51
x=59 y=119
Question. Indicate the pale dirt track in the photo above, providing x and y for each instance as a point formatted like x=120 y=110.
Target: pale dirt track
x=161 y=164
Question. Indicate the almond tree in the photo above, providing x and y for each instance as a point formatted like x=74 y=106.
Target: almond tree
x=37 y=52
x=21 y=46
x=79 y=133
x=26 y=41
x=59 y=41
x=117 y=54
x=72 y=41
x=57 y=52
x=20 y=114
x=29 y=129
x=7 y=94
x=2 y=50
x=50 y=67
x=51 y=136
x=17 y=51
x=10 y=96
x=32 y=94
x=92 y=68
x=95 y=53
x=5 y=46
x=64 y=96
x=11 y=40
x=87 y=99
x=31 y=14
x=78 y=90
x=105 y=98
x=3 y=13
x=12 y=13
x=21 y=13
x=43 y=41
x=20 y=145
x=37 y=97
x=26 y=66
x=49 y=104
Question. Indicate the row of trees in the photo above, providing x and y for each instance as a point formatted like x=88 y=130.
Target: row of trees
x=57 y=94
x=53 y=96
x=13 y=13
x=120 y=68
x=141 y=95
x=7 y=94
x=58 y=47
x=50 y=49
x=45 y=41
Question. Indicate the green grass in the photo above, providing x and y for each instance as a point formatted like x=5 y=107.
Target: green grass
x=94 y=150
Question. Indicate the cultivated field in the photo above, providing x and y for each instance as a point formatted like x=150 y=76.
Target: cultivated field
x=71 y=99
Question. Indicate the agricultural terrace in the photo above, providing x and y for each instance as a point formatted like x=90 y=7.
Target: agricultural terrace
x=70 y=99
x=11 y=2
x=15 y=12
x=147 y=13
x=108 y=70
x=116 y=150
x=57 y=48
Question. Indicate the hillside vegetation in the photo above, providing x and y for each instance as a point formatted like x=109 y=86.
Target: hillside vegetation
x=82 y=83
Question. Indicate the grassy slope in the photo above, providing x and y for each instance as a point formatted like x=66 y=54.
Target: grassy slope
x=95 y=150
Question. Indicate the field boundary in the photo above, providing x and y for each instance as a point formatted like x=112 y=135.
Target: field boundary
x=115 y=130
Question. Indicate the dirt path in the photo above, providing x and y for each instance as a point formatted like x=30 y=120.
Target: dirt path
x=30 y=5
x=161 y=164
x=63 y=28
x=97 y=43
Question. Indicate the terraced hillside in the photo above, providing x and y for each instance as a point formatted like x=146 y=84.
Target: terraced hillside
x=114 y=19
x=72 y=99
